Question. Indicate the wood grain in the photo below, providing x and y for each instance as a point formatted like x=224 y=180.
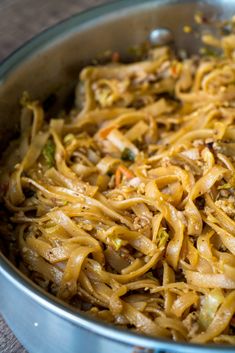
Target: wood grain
x=20 y=20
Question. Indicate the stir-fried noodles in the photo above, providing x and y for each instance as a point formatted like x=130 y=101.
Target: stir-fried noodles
x=125 y=206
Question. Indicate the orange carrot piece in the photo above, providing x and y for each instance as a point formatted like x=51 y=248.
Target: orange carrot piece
x=118 y=177
x=128 y=174
x=174 y=71
x=105 y=132
x=122 y=170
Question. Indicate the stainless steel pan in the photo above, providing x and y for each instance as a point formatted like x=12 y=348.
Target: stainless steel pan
x=50 y=63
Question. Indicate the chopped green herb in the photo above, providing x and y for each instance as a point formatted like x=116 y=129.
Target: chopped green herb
x=69 y=138
x=225 y=186
x=48 y=153
x=64 y=203
x=117 y=242
x=127 y=155
x=162 y=237
x=209 y=52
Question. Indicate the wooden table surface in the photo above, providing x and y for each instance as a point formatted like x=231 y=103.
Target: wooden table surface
x=20 y=20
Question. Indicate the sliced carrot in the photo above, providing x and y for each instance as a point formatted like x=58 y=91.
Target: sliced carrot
x=118 y=176
x=122 y=170
x=174 y=70
x=128 y=174
x=104 y=132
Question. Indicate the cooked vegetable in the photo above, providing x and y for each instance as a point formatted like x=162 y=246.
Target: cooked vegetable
x=122 y=171
x=49 y=153
x=128 y=204
x=162 y=238
x=127 y=155
x=210 y=305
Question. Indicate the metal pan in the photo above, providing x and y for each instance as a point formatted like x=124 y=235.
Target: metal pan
x=50 y=63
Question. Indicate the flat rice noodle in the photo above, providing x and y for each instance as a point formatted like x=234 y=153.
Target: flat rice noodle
x=142 y=322
x=220 y=216
x=194 y=218
x=168 y=277
x=68 y=286
x=136 y=239
x=220 y=322
x=175 y=220
x=184 y=302
x=205 y=183
x=172 y=324
x=227 y=239
x=125 y=278
x=210 y=280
